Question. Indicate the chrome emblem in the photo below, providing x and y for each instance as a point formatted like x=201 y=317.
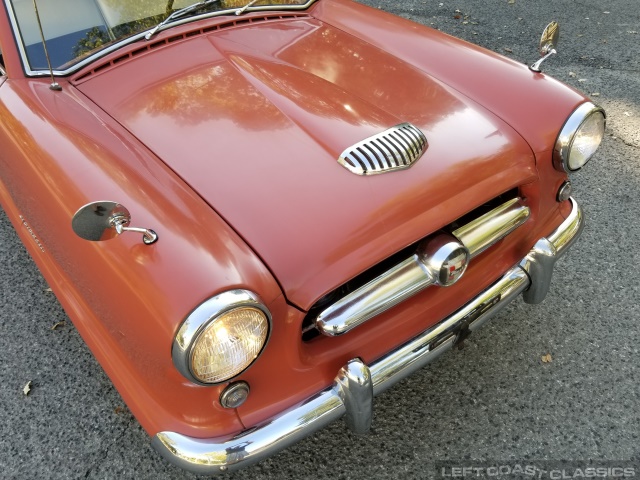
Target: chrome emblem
x=454 y=266
x=396 y=148
x=445 y=258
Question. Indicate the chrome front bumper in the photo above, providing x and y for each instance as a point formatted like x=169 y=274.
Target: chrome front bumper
x=356 y=383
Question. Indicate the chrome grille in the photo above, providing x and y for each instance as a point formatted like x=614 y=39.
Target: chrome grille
x=406 y=273
x=394 y=149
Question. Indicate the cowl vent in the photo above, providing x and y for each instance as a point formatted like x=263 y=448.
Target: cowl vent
x=148 y=46
x=396 y=148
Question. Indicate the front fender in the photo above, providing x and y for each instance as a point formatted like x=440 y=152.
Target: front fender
x=59 y=152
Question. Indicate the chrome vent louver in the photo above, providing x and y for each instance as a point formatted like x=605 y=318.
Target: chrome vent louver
x=396 y=148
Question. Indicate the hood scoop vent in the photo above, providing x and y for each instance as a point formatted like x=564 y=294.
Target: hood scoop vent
x=148 y=46
x=396 y=148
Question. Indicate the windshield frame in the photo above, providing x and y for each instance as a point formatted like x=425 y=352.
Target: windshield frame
x=92 y=57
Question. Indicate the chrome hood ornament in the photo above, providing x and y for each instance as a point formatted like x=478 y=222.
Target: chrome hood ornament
x=396 y=148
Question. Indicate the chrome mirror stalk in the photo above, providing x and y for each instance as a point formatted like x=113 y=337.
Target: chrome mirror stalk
x=120 y=222
x=548 y=44
x=104 y=220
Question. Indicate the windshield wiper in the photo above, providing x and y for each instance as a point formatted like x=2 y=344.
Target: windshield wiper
x=178 y=14
x=241 y=10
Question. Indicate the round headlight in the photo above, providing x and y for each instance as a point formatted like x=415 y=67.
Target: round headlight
x=228 y=345
x=221 y=338
x=579 y=138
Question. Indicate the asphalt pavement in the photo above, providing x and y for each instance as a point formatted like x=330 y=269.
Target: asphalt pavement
x=493 y=406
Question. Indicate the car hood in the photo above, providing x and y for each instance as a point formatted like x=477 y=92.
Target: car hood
x=254 y=118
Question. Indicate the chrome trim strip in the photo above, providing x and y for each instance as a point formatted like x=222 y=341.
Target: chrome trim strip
x=18 y=39
x=396 y=148
x=493 y=226
x=134 y=38
x=215 y=455
x=415 y=273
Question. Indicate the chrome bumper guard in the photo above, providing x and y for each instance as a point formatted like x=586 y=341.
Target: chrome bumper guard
x=356 y=383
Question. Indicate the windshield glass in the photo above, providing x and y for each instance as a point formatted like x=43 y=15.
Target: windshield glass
x=75 y=29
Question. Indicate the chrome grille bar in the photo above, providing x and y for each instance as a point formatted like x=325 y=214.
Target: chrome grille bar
x=396 y=148
x=394 y=286
x=413 y=274
x=486 y=230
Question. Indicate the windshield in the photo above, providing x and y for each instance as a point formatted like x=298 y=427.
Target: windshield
x=76 y=29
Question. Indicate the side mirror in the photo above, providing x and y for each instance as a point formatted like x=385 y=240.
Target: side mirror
x=105 y=220
x=548 y=44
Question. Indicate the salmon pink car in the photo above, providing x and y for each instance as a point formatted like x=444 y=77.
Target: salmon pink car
x=261 y=214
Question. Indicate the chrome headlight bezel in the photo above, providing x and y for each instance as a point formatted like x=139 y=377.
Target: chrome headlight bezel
x=204 y=315
x=572 y=126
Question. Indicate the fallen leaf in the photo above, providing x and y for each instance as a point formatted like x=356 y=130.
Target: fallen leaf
x=546 y=358
x=118 y=410
x=58 y=325
x=27 y=388
x=457 y=17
